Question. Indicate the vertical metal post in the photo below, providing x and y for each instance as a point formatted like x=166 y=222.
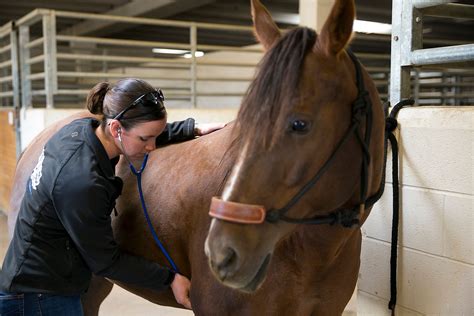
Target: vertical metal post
x=25 y=71
x=15 y=69
x=193 y=41
x=16 y=90
x=50 y=65
x=399 y=76
x=407 y=24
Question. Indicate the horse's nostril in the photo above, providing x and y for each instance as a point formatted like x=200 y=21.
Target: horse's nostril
x=225 y=261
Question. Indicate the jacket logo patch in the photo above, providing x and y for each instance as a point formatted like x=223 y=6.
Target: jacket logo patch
x=37 y=172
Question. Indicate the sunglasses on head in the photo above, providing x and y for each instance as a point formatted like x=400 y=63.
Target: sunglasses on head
x=154 y=98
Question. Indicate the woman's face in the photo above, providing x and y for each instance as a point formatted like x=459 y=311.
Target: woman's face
x=140 y=139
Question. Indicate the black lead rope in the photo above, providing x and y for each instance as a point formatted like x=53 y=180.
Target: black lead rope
x=390 y=127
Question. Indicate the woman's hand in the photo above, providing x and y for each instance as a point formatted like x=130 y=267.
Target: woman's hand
x=203 y=129
x=180 y=287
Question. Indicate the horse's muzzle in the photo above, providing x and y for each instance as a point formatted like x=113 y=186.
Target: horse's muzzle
x=237 y=212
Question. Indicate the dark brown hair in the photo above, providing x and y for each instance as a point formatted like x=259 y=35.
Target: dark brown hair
x=274 y=89
x=109 y=100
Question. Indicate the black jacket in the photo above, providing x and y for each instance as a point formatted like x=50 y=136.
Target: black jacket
x=63 y=230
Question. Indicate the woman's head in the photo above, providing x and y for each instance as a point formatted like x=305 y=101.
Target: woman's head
x=130 y=101
x=133 y=114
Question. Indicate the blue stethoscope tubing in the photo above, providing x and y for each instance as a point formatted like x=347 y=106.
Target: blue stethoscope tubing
x=138 y=174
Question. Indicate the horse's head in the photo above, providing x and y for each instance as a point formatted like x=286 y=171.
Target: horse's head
x=309 y=143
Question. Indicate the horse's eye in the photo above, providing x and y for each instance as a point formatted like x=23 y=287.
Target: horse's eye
x=299 y=126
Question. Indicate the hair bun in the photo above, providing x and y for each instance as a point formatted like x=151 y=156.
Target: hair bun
x=95 y=98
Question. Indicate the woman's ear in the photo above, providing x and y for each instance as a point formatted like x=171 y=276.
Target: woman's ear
x=115 y=128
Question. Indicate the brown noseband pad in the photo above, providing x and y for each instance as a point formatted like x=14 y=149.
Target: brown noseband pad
x=237 y=212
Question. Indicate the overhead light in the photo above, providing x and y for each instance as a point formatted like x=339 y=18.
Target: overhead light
x=182 y=52
x=372 y=27
x=197 y=54
x=170 y=51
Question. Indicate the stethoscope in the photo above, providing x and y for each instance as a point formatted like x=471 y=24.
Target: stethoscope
x=138 y=174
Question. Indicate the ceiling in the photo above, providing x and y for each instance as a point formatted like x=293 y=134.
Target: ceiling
x=229 y=12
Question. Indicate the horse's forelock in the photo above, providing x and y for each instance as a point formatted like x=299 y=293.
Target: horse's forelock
x=274 y=90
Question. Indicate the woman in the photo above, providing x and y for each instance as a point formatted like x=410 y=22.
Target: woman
x=63 y=232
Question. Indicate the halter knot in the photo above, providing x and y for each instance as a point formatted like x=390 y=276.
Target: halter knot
x=359 y=107
x=347 y=218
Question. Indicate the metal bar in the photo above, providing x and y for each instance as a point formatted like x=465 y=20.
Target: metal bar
x=125 y=59
x=36 y=42
x=372 y=56
x=119 y=42
x=148 y=21
x=223 y=63
x=72 y=74
x=385 y=38
x=36 y=59
x=6 y=79
x=6 y=29
x=230 y=48
x=220 y=94
x=451 y=10
x=6 y=94
x=193 y=42
x=72 y=91
x=5 y=48
x=447 y=95
x=440 y=55
x=6 y=64
x=447 y=84
x=223 y=79
x=427 y=3
x=32 y=17
x=16 y=90
x=50 y=65
x=37 y=76
x=38 y=92
x=399 y=76
x=25 y=69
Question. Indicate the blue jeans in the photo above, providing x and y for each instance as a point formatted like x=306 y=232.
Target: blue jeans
x=39 y=305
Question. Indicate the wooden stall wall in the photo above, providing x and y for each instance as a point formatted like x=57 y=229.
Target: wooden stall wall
x=7 y=156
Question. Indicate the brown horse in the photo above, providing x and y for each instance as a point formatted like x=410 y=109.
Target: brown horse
x=310 y=144
x=296 y=111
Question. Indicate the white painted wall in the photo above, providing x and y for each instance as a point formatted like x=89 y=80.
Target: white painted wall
x=436 y=256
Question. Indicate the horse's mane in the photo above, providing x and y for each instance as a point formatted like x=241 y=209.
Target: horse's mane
x=273 y=91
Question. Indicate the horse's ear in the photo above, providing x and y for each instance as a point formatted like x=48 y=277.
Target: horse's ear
x=337 y=29
x=264 y=27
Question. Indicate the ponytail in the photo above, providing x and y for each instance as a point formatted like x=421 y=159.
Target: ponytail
x=95 y=98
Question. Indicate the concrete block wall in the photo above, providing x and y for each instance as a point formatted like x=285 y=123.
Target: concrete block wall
x=436 y=239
